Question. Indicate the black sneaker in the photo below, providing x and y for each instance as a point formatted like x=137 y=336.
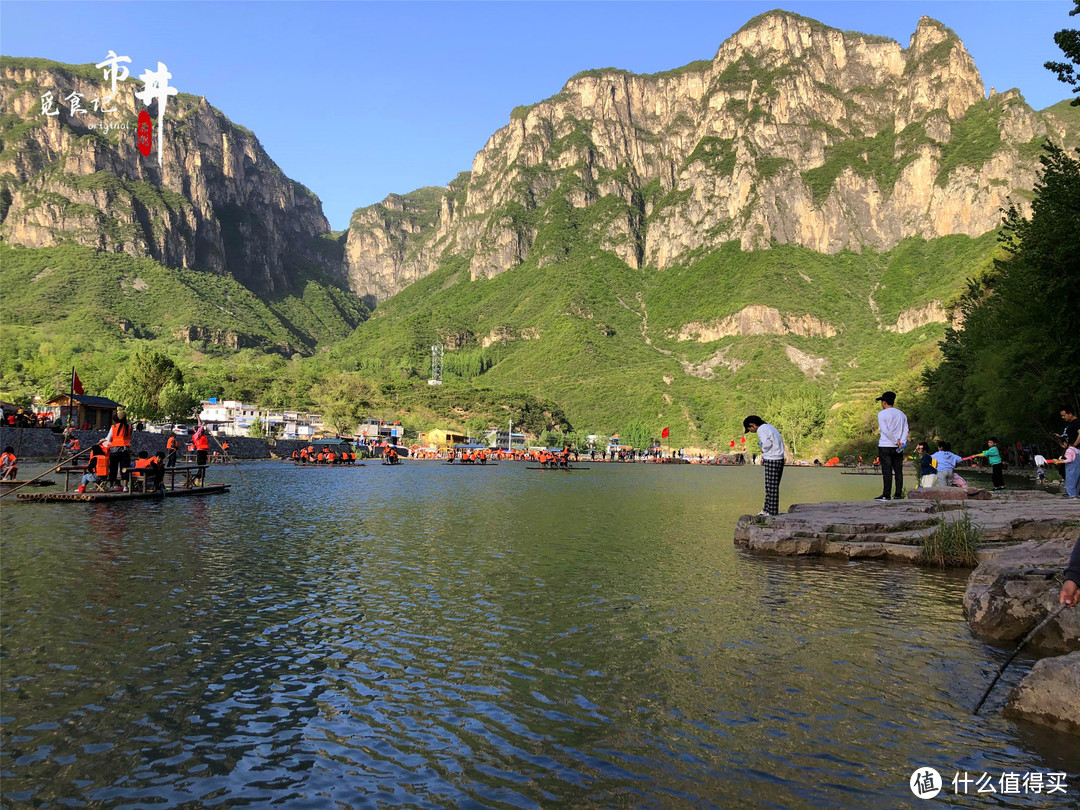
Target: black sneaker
x=882 y=498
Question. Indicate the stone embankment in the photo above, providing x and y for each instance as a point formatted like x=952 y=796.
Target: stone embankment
x=895 y=530
x=37 y=444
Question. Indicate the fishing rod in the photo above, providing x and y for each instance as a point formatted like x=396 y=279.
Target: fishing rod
x=225 y=454
x=1053 y=615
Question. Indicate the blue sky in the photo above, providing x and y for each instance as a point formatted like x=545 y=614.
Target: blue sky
x=358 y=100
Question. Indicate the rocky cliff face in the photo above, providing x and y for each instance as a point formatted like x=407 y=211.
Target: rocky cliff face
x=793 y=133
x=216 y=203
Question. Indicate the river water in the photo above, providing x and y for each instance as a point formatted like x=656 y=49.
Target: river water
x=436 y=636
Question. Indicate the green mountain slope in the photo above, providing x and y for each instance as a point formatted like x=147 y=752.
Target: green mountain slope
x=71 y=305
x=602 y=339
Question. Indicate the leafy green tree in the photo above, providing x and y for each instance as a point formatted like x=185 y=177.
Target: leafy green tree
x=799 y=414
x=140 y=384
x=1068 y=39
x=256 y=430
x=344 y=401
x=177 y=402
x=477 y=427
x=1016 y=359
x=637 y=434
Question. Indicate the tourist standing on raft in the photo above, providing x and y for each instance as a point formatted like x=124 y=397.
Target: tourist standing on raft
x=202 y=450
x=119 y=448
x=171 y=446
x=894 y=436
x=772 y=457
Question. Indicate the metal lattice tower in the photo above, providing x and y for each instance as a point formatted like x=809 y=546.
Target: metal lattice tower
x=436 y=364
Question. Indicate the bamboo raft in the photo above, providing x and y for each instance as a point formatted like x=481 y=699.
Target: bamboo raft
x=470 y=464
x=315 y=464
x=98 y=497
x=560 y=469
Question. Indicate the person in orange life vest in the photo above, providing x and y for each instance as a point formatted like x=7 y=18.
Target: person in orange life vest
x=152 y=469
x=295 y=456
x=119 y=448
x=73 y=447
x=331 y=456
x=225 y=450
x=171 y=447
x=97 y=467
x=142 y=467
x=9 y=464
x=202 y=450
x=303 y=455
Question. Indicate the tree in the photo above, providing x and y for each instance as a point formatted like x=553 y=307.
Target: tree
x=344 y=401
x=139 y=386
x=176 y=401
x=637 y=434
x=799 y=414
x=1014 y=363
x=256 y=431
x=1068 y=39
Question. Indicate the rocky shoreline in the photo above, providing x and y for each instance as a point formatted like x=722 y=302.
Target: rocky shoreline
x=896 y=530
x=1026 y=539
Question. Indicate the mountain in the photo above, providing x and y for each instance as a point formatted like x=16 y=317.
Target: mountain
x=794 y=133
x=783 y=229
x=217 y=203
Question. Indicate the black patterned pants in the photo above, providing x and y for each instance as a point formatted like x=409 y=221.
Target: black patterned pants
x=774 y=471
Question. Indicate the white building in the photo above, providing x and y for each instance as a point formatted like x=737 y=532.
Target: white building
x=233 y=418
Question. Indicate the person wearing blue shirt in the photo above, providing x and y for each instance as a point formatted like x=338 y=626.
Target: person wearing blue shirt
x=946 y=462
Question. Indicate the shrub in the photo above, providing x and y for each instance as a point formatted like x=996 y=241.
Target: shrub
x=952 y=545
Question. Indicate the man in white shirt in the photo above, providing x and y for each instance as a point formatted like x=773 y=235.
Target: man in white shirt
x=772 y=458
x=894 y=437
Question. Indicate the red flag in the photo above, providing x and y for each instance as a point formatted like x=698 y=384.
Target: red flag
x=732 y=442
x=76 y=384
x=665 y=433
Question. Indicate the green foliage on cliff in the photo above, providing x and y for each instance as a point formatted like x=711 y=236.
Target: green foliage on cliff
x=975 y=138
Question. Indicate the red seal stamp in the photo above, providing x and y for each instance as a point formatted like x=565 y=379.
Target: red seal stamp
x=145 y=133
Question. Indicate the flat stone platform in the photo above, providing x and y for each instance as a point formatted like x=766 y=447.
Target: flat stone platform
x=895 y=530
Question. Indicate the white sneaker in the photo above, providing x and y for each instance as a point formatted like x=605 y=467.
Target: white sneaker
x=763 y=513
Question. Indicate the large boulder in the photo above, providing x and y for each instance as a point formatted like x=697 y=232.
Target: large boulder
x=1049 y=694
x=1007 y=595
